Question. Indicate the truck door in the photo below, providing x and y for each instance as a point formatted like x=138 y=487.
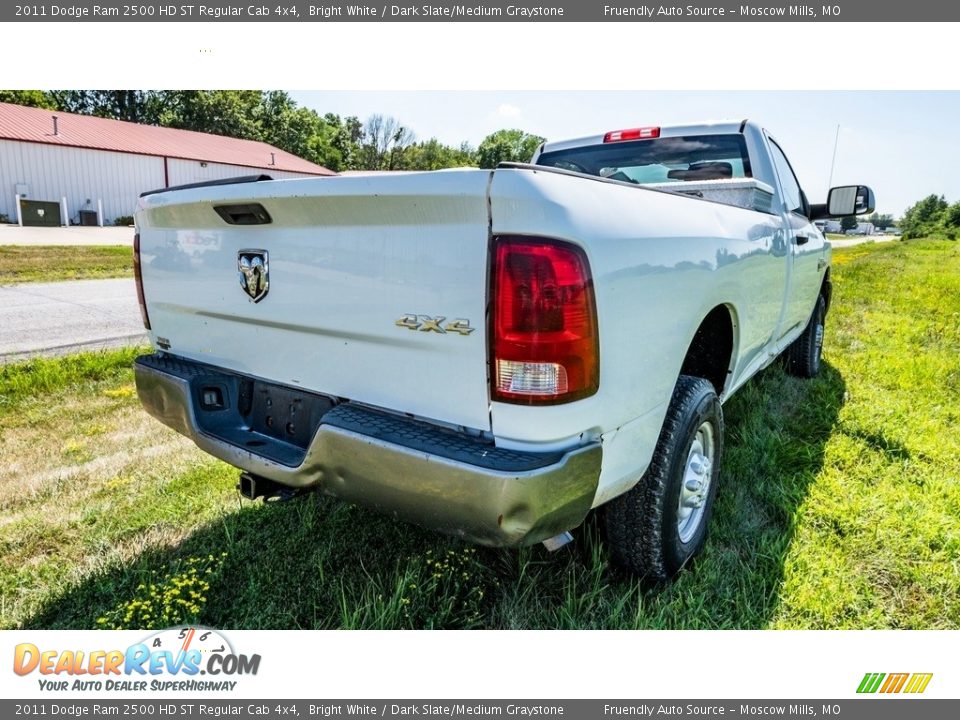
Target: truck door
x=806 y=247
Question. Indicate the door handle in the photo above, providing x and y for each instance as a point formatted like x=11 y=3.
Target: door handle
x=802 y=239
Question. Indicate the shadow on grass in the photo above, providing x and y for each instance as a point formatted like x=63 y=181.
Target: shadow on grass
x=317 y=563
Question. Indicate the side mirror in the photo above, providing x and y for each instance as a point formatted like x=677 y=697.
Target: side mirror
x=850 y=200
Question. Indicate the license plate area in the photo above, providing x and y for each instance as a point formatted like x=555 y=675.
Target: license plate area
x=280 y=412
x=273 y=421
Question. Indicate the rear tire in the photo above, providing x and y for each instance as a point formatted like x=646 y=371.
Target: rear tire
x=803 y=357
x=658 y=526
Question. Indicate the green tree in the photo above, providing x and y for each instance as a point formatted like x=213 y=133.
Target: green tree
x=951 y=217
x=923 y=217
x=343 y=142
x=385 y=141
x=881 y=222
x=28 y=98
x=507 y=146
x=297 y=130
x=140 y=106
x=434 y=155
x=234 y=113
x=849 y=223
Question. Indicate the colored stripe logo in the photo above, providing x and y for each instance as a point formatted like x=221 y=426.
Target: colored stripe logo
x=894 y=683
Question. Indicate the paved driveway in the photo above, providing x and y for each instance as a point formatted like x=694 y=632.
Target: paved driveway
x=62 y=317
x=13 y=235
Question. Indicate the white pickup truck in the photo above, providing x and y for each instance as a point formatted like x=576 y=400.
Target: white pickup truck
x=491 y=353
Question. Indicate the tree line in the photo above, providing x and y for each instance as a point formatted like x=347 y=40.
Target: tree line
x=339 y=143
x=932 y=216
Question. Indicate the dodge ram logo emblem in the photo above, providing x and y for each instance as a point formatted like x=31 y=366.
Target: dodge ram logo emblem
x=254 y=273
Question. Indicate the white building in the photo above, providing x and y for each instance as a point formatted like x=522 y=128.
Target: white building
x=100 y=163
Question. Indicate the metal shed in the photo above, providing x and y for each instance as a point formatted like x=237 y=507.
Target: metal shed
x=97 y=165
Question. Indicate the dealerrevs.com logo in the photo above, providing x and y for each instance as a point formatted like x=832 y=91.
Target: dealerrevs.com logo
x=172 y=659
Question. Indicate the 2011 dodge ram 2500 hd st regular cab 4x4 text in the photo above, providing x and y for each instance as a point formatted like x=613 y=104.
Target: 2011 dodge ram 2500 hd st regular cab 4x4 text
x=492 y=353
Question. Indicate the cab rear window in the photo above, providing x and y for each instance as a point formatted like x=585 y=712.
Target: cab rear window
x=658 y=160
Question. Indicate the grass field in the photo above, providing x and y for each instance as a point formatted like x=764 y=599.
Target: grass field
x=839 y=508
x=20 y=263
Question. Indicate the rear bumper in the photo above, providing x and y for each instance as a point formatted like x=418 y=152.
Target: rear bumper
x=411 y=470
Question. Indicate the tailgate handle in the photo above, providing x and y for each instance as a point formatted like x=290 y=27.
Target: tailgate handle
x=244 y=214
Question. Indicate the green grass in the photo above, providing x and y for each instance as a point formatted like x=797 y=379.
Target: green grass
x=50 y=263
x=42 y=376
x=839 y=505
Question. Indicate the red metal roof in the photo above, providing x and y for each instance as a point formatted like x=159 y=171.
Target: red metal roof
x=36 y=125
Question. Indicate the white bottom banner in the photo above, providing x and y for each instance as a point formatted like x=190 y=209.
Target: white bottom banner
x=493 y=664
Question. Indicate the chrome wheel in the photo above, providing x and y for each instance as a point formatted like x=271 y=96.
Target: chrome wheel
x=695 y=486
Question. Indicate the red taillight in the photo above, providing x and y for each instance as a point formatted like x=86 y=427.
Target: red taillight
x=644 y=133
x=544 y=347
x=138 y=276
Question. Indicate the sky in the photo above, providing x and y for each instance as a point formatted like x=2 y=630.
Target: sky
x=904 y=145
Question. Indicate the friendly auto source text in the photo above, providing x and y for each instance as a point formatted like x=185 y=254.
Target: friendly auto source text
x=713 y=710
x=655 y=11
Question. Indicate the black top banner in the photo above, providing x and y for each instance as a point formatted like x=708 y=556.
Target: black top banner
x=523 y=11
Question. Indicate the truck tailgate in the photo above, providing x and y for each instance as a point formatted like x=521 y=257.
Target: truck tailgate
x=348 y=257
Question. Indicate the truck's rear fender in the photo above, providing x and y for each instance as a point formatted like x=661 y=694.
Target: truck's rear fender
x=660 y=263
x=713 y=347
x=826 y=288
